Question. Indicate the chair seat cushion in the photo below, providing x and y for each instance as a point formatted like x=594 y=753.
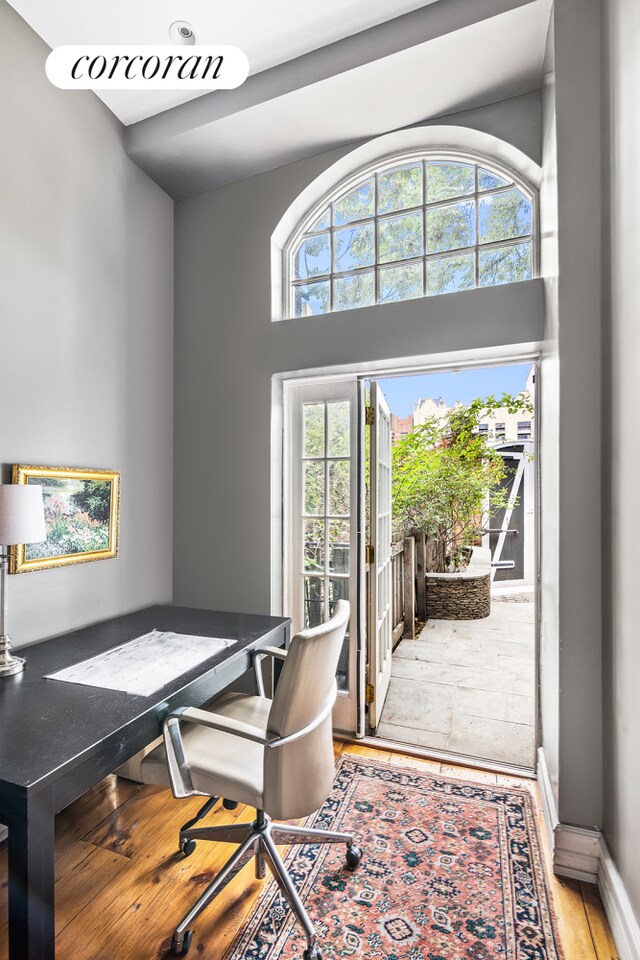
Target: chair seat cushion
x=221 y=764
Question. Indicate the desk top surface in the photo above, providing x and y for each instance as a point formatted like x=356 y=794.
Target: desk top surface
x=47 y=724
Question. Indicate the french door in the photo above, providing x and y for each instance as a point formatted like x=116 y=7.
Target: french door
x=380 y=631
x=322 y=510
x=326 y=554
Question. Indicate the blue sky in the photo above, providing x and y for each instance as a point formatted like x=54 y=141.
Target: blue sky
x=403 y=392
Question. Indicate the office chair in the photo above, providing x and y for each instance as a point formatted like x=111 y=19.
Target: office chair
x=274 y=755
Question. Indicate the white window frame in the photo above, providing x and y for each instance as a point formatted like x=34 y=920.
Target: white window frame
x=381 y=166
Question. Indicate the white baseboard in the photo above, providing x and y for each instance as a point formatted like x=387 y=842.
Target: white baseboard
x=620 y=914
x=583 y=855
x=575 y=851
x=548 y=797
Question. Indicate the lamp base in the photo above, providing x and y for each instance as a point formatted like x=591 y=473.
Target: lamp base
x=9 y=665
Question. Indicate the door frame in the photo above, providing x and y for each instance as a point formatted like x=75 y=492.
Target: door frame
x=377 y=370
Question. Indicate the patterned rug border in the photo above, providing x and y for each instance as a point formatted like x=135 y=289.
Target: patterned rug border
x=523 y=793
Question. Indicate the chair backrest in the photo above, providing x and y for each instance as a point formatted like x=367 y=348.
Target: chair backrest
x=298 y=776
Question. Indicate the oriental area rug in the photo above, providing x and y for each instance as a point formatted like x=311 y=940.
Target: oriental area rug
x=451 y=870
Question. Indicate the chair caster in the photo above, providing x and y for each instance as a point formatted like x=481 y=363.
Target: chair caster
x=354 y=856
x=229 y=804
x=187 y=847
x=312 y=954
x=181 y=949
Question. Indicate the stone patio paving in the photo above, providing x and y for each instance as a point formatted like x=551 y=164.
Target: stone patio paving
x=467 y=686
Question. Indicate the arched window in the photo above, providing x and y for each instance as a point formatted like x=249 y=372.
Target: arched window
x=414 y=225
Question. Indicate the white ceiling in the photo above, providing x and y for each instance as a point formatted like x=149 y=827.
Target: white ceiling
x=269 y=33
x=274 y=120
x=324 y=73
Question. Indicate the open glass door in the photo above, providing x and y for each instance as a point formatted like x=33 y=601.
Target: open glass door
x=379 y=556
x=321 y=518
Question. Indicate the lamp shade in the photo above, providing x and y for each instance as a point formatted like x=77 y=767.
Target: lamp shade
x=21 y=514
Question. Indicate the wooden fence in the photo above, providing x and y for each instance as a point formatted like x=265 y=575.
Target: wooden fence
x=411 y=559
x=403 y=589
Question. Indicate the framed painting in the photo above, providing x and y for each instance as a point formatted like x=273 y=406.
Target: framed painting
x=81 y=509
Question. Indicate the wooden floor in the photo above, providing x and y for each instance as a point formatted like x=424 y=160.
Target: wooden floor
x=121 y=887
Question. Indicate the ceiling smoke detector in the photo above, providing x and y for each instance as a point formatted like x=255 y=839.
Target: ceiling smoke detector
x=182 y=33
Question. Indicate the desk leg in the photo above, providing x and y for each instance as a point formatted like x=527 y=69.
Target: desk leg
x=31 y=878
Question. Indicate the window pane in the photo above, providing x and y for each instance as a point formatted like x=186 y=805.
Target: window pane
x=313 y=601
x=400 y=237
x=505 y=264
x=503 y=216
x=489 y=181
x=312 y=299
x=313 y=257
x=313 y=429
x=448 y=180
x=451 y=227
x=339 y=482
x=400 y=189
x=449 y=274
x=354 y=247
x=313 y=497
x=314 y=546
x=339 y=590
x=401 y=283
x=358 y=204
x=323 y=221
x=342 y=673
x=338 y=417
x=352 y=292
x=339 y=539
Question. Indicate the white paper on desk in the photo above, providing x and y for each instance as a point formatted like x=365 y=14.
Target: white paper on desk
x=145 y=664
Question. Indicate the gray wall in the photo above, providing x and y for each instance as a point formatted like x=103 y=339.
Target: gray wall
x=228 y=350
x=575 y=320
x=573 y=521
x=621 y=350
x=571 y=488
x=86 y=320
x=549 y=417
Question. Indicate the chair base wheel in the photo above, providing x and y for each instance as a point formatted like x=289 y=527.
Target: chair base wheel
x=354 y=856
x=312 y=954
x=181 y=949
x=230 y=804
x=187 y=847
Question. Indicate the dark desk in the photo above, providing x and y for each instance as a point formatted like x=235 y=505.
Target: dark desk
x=58 y=739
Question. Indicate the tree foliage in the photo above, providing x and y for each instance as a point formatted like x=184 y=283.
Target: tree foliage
x=443 y=473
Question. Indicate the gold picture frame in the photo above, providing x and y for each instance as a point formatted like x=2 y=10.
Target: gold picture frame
x=81 y=520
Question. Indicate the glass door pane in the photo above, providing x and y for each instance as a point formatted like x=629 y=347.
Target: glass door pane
x=320 y=547
x=326 y=514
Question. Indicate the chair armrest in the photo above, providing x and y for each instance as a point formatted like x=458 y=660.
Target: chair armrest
x=279 y=652
x=247 y=731
x=179 y=774
x=276 y=653
x=303 y=731
x=217 y=721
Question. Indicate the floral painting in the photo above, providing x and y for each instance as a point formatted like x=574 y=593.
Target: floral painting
x=81 y=516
